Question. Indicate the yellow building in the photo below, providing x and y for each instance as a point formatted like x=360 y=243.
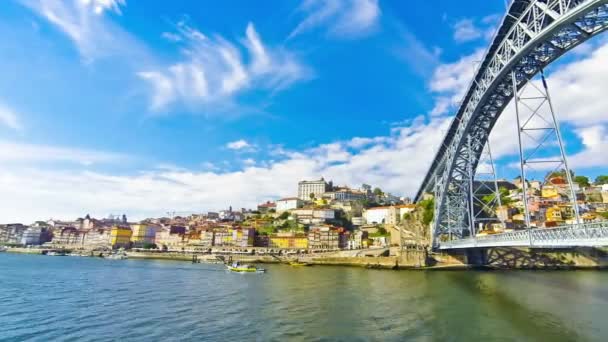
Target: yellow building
x=288 y=240
x=120 y=237
x=550 y=191
x=554 y=214
x=142 y=234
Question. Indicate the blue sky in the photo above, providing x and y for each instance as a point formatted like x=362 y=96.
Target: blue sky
x=112 y=106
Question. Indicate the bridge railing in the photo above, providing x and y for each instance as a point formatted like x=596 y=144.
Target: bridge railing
x=583 y=234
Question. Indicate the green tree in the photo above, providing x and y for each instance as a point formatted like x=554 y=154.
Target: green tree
x=504 y=197
x=428 y=207
x=284 y=215
x=378 y=191
x=582 y=181
x=312 y=196
x=601 y=179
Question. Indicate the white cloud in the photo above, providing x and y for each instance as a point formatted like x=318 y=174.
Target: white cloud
x=465 y=31
x=213 y=69
x=12 y=152
x=468 y=29
x=341 y=18
x=9 y=119
x=396 y=163
x=450 y=81
x=172 y=37
x=86 y=23
x=239 y=145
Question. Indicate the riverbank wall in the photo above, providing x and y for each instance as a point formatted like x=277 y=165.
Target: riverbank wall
x=526 y=258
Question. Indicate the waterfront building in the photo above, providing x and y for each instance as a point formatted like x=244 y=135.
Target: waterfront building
x=120 y=237
x=32 y=236
x=243 y=237
x=12 y=233
x=285 y=204
x=357 y=240
x=143 y=234
x=315 y=187
x=207 y=237
x=68 y=237
x=288 y=240
x=170 y=238
x=97 y=238
x=327 y=238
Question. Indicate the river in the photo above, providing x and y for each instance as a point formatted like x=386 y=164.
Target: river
x=44 y=298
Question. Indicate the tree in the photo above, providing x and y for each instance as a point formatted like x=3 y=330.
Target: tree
x=428 y=207
x=312 y=196
x=582 y=181
x=601 y=179
x=504 y=197
x=284 y=215
x=378 y=192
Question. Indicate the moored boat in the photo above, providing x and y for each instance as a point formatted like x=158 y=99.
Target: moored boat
x=298 y=264
x=244 y=268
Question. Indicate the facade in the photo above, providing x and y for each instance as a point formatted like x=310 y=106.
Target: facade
x=288 y=240
x=316 y=187
x=313 y=215
x=120 y=237
x=243 y=237
x=286 y=204
x=170 y=238
x=358 y=240
x=143 y=234
x=12 y=233
x=327 y=238
x=32 y=236
x=97 y=238
x=377 y=215
x=265 y=208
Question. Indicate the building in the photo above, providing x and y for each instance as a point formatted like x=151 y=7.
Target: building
x=376 y=215
x=344 y=194
x=170 y=238
x=12 y=233
x=143 y=234
x=243 y=237
x=327 y=238
x=267 y=207
x=32 y=236
x=315 y=187
x=97 y=238
x=313 y=215
x=358 y=240
x=120 y=237
x=68 y=236
x=285 y=204
x=358 y=221
x=288 y=240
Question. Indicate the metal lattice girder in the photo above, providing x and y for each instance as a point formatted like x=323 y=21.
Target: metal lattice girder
x=588 y=235
x=532 y=35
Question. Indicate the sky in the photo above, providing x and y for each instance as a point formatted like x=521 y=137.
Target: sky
x=143 y=108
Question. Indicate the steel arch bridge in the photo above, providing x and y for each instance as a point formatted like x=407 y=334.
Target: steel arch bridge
x=533 y=34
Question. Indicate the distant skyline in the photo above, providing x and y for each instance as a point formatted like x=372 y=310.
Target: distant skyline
x=142 y=108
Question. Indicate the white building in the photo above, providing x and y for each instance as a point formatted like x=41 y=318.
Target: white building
x=285 y=204
x=309 y=215
x=377 y=215
x=31 y=236
x=316 y=187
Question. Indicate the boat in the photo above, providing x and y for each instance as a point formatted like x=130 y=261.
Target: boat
x=55 y=253
x=244 y=268
x=298 y=264
x=3 y=249
x=116 y=256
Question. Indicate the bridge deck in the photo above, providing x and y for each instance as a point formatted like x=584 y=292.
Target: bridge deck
x=580 y=235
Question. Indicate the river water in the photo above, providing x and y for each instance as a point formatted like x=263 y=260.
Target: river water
x=44 y=298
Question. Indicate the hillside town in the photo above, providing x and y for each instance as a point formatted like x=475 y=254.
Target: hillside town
x=320 y=217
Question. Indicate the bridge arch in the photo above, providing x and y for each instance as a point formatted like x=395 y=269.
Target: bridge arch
x=532 y=35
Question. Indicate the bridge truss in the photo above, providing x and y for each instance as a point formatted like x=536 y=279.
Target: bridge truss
x=533 y=34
